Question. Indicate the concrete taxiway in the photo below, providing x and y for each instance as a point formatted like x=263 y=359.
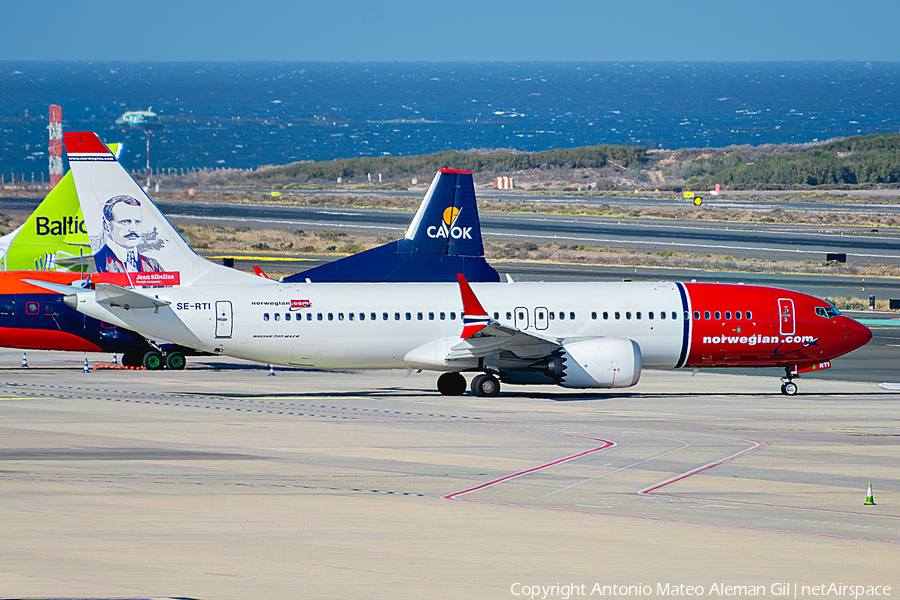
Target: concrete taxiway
x=742 y=240
x=773 y=241
x=222 y=482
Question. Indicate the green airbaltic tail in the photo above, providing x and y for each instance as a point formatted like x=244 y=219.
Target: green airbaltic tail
x=54 y=237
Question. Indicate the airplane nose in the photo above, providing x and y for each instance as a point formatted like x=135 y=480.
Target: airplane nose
x=858 y=335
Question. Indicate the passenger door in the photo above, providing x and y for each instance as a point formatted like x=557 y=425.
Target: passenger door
x=223 y=318
x=786 y=322
x=520 y=317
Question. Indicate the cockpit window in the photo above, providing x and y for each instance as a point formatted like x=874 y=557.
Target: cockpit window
x=829 y=312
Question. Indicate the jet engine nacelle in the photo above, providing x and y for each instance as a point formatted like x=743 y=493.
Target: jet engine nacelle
x=598 y=363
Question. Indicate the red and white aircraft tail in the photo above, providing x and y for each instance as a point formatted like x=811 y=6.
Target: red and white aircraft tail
x=133 y=244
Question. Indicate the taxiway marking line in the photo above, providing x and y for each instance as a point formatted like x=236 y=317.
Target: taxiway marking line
x=606 y=444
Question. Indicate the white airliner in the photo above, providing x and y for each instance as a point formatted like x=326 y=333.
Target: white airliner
x=577 y=335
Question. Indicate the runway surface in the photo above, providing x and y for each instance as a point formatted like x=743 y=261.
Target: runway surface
x=220 y=481
x=795 y=242
x=864 y=200
x=767 y=241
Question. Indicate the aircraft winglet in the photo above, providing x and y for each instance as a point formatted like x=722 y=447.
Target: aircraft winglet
x=475 y=318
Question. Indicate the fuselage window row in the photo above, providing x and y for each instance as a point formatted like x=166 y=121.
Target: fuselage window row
x=443 y=316
x=717 y=315
x=552 y=315
x=651 y=315
x=360 y=316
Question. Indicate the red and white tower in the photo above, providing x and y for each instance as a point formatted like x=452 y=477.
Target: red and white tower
x=56 y=164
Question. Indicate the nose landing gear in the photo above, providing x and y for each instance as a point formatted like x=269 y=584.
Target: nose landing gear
x=788 y=387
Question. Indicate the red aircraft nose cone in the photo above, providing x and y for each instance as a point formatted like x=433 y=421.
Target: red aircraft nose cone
x=858 y=335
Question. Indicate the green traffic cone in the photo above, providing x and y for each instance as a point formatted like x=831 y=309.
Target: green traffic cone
x=869 y=498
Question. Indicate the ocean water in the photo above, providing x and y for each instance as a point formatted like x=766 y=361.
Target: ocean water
x=244 y=115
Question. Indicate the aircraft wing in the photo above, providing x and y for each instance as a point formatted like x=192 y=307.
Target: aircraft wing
x=496 y=337
x=483 y=336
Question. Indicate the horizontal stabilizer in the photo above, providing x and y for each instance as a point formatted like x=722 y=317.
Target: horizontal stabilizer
x=114 y=295
x=65 y=290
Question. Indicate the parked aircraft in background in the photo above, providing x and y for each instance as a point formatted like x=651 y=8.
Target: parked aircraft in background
x=32 y=318
x=577 y=335
x=52 y=238
x=443 y=240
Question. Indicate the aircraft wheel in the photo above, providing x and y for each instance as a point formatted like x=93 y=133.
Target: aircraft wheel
x=153 y=361
x=175 y=361
x=485 y=385
x=789 y=389
x=451 y=384
x=132 y=359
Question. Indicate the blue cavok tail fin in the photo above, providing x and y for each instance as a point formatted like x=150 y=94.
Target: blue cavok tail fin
x=443 y=240
x=447 y=220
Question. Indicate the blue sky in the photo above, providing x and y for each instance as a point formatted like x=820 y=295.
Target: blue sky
x=464 y=30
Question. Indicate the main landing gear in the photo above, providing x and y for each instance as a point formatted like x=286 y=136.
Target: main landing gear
x=485 y=385
x=154 y=360
x=454 y=384
x=451 y=384
x=788 y=387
